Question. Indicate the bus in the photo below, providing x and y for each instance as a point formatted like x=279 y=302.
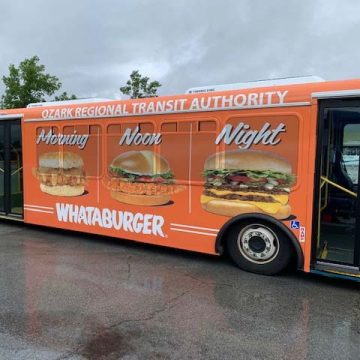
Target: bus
x=267 y=172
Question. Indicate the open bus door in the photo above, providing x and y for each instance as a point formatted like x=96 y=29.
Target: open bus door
x=11 y=168
x=337 y=202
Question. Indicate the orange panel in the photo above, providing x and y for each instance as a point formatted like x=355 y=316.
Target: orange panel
x=81 y=162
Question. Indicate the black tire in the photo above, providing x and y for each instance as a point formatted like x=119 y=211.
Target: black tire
x=259 y=247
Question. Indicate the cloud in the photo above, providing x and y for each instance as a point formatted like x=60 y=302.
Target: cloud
x=93 y=46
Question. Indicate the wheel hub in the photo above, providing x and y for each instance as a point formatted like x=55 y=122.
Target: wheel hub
x=258 y=243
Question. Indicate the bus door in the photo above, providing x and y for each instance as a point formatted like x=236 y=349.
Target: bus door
x=11 y=175
x=337 y=203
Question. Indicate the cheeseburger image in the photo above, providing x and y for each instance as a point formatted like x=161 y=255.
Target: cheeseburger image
x=247 y=181
x=61 y=174
x=141 y=178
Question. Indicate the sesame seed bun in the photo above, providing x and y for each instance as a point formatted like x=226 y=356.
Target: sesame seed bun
x=60 y=160
x=143 y=162
x=234 y=208
x=144 y=200
x=62 y=190
x=255 y=160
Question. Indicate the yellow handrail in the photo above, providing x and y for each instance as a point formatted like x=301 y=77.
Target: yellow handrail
x=325 y=195
x=16 y=171
x=326 y=180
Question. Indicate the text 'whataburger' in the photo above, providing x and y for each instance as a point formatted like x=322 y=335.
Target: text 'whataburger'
x=147 y=224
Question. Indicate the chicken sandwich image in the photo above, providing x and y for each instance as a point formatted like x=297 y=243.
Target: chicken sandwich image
x=141 y=178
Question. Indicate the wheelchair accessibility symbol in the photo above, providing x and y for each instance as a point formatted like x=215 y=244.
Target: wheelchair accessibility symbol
x=295 y=225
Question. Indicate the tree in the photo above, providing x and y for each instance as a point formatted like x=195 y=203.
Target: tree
x=64 y=96
x=139 y=86
x=27 y=83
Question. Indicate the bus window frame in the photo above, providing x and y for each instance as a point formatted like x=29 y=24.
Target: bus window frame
x=197 y=120
x=120 y=122
x=271 y=114
x=323 y=106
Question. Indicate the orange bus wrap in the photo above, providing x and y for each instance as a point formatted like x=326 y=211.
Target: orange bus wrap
x=174 y=170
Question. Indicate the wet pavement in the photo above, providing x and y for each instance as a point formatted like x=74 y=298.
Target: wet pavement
x=73 y=296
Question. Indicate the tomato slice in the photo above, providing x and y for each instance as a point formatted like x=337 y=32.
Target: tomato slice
x=159 y=180
x=145 y=179
x=149 y=179
x=239 y=178
x=245 y=179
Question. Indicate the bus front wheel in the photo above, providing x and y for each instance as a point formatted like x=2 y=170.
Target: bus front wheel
x=259 y=247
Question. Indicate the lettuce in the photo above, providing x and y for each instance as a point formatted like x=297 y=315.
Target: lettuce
x=131 y=176
x=223 y=173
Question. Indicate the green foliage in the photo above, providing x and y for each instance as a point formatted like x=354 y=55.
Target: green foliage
x=27 y=84
x=64 y=96
x=139 y=86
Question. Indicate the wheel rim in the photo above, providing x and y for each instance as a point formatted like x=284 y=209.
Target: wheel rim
x=258 y=244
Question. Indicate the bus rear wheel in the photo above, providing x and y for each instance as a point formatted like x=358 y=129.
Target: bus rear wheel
x=259 y=247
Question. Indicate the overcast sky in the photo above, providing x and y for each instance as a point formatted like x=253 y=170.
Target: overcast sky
x=93 y=46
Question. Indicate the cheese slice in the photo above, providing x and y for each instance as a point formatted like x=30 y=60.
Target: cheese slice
x=282 y=199
x=270 y=208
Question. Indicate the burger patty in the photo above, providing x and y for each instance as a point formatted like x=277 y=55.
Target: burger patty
x=234 y=196
x=59 y=177
x=275 y=191
x=140 y=188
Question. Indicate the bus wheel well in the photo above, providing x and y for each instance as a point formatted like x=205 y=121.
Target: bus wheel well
x=226 y=230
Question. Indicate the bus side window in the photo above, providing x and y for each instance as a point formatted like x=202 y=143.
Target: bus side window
x=169 y=127
x=207 y=125
x=351 y=151
x=203 y=147
x=186 y=145
x=175 y=147
x=127 y=137
x=113 y=134
x=43 y=140
x=146 y=128
x=128 y=126
x=96 y=136
x=86 y=142
x=285 y=142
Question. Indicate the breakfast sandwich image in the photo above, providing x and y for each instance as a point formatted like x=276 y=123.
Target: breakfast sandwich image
x=61 y=173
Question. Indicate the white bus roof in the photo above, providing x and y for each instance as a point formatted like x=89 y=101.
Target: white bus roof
x=256 y=84
x=67 y=102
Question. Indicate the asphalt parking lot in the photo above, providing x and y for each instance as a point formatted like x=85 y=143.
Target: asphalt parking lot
x=72 y=296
